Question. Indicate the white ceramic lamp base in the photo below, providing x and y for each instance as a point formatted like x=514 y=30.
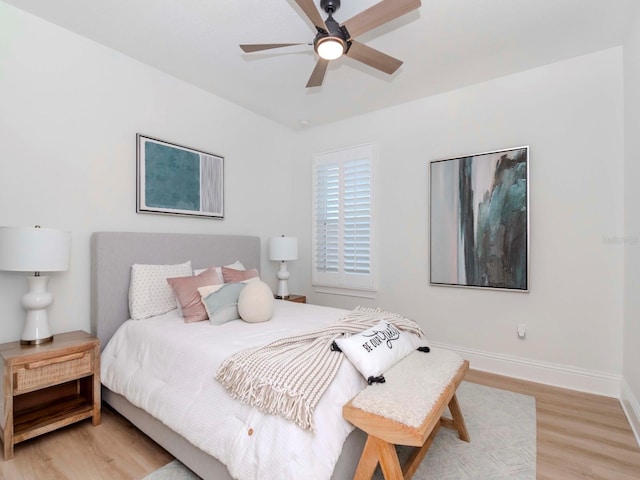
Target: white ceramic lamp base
x=283 y=276
x=35 y=302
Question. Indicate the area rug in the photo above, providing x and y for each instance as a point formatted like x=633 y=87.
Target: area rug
x=502 y=427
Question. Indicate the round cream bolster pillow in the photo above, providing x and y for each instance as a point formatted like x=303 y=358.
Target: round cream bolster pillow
x=256 y=303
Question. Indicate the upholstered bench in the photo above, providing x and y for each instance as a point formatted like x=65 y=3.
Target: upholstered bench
x=407 y=410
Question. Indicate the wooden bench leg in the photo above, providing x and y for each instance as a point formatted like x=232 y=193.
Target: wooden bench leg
x=389 y=462
x=417 y=455
x=458 y=419
x=378 y=451
x=368 y=460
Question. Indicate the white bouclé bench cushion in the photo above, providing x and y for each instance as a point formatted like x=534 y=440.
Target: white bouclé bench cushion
x=412 y=386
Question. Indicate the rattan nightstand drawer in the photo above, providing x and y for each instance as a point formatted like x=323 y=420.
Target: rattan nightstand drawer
x=35 y=375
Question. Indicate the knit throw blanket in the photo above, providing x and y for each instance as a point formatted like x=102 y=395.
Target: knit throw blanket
x=289 y=376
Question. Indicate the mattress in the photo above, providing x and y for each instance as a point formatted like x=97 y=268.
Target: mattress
x=167 y=368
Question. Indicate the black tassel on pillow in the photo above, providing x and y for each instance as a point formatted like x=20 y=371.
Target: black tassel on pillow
x=372 y=379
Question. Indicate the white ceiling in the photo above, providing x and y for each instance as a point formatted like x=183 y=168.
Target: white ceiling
x=445 y=44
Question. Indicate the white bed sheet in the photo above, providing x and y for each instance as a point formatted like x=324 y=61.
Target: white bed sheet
x=167 y=368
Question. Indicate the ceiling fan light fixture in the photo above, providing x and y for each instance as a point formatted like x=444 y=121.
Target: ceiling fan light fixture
x=330 y=48
x=333 y=40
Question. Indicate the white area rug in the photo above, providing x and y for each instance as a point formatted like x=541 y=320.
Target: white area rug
x=502 y=427
x=172 y=471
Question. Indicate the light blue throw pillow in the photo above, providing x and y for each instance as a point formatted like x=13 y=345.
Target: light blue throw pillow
x=222 y=305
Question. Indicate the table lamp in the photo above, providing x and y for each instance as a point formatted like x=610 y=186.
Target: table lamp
x=35 y=249
x=283 y=249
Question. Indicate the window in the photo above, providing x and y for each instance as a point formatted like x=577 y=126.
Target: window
x=343 y=221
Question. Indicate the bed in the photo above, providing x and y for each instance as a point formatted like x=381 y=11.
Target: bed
x=113 y=253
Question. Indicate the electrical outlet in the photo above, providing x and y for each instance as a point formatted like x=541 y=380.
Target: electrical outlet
x=522 y=330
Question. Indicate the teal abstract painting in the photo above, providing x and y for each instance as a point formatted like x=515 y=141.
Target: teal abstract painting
x=479 y=220
x=173 y=179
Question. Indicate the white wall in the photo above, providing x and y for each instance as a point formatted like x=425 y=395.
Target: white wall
x=69 y=112
x=570 y=114
x=631 y=372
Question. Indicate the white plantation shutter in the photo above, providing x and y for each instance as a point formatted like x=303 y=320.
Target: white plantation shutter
x=343 y=219
x=327 y=252
x=357 y=216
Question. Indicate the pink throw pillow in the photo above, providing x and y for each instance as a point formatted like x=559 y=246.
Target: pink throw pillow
x=236 y=276
x=186 y=291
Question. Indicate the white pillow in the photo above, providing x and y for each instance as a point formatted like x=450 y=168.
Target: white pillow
x=378 y=348
x=256 y=303
x=237 y=265
x=149 y=292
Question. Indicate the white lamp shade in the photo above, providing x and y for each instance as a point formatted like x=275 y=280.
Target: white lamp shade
x=283 y=248
x=32 y=249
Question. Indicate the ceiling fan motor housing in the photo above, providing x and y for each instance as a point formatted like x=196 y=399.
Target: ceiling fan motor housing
x=330 y=6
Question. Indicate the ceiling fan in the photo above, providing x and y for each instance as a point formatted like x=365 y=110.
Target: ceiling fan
x=333 y=40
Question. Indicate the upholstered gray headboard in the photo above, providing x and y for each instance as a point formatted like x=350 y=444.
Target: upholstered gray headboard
x=113 y=253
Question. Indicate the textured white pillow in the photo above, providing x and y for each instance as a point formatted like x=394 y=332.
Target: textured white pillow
x=256 y=303
x=149 y=292
x=237 y=265
x=378 y=348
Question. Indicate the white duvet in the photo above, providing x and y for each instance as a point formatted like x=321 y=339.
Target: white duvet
x=167 y=368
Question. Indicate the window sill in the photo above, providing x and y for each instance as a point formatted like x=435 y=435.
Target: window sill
x=350 y=292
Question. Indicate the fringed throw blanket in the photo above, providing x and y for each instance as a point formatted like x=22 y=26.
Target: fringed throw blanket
x=289 y=376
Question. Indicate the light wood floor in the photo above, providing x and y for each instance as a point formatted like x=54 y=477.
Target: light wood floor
x=580 y=436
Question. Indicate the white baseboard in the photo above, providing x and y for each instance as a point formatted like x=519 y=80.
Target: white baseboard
x=573 y=378
x=631 y=409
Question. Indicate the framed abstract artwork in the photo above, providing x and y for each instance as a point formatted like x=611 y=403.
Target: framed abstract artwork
x=178 y=180
x=479 y=220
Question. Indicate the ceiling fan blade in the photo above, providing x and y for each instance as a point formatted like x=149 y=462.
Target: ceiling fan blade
x=372 y=57
x=380 y=13
x=317 y=76
x=311 y=11
x=257 y=47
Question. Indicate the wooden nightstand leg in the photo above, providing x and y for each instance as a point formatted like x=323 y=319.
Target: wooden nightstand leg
x=8 y=449
x=7 y=433
x=96 y=419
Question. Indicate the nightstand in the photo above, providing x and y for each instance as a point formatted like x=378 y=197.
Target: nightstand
x=297 y=298
x=48 y=386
